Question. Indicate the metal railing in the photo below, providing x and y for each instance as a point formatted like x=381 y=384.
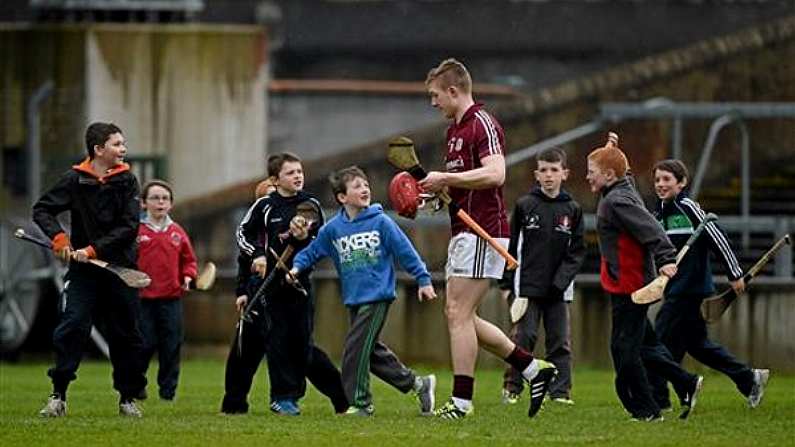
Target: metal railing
x=723 y=114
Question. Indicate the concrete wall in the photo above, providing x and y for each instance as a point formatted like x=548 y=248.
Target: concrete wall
x=193 y=94
x=314 y=126
x=756 y=328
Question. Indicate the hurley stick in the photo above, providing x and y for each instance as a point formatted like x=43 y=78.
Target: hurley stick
x=653 y=291
x=133 y=278
x=401 y=154
x=713 y=307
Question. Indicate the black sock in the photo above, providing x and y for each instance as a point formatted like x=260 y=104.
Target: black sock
x=60 y=392
x=463 y=387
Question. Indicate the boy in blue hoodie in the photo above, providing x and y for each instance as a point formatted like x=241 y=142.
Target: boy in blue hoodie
x=363 y=243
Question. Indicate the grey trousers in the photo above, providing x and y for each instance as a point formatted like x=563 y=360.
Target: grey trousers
x=364 y=353
x=556 y=318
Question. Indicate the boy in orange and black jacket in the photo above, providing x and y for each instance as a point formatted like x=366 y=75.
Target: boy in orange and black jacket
x=631 y=243
x=102 y=197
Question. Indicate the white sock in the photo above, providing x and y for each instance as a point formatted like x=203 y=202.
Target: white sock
x=462 y=404
x=531 y=371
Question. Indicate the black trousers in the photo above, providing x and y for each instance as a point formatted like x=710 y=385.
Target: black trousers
x=635 y=350
x=162 y=328
x=282 y=331
x=96 y=295
x=682 y=330
x=554 y=312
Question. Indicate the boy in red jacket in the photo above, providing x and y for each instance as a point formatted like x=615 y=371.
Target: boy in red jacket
x=166 y=255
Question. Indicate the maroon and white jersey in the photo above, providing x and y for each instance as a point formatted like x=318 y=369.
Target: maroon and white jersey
x=477 y=136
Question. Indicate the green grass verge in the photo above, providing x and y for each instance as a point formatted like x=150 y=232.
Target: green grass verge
x=720 y=419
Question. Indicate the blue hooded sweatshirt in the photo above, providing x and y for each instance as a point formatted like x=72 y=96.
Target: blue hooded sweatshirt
x=364 y=250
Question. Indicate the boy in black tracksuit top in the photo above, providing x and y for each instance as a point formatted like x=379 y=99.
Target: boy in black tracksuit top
x=283 y=329
x=102 y=197
x=546 y=239
x=631 y=242
x=679 y=323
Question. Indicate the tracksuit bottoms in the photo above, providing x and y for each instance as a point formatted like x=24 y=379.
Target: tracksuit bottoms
x=364 y=353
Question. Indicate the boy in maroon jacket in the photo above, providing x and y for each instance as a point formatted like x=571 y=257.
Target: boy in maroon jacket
x=632 y=243
x=166 y=255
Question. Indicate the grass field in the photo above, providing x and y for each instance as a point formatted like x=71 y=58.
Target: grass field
x=720 y=419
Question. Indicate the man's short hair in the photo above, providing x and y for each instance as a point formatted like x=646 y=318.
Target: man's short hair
x=451 y=72
x=157 y=182
x=553 y=155
x=339 y=179
x=97 y=134
x=276 y=161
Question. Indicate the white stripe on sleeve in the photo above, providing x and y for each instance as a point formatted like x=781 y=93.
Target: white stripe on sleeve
x=717 y=237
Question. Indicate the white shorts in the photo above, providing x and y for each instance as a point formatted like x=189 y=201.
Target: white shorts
x=470 y=256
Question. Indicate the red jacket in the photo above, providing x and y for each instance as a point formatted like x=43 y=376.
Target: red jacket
x=167 y=257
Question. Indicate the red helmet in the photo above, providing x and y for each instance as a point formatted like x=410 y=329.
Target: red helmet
x=404 y=193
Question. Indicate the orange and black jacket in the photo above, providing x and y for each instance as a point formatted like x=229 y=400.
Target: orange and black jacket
x=105 y=211
x=632 y=242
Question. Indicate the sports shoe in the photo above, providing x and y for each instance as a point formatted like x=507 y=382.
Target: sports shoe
x=142 y=395
x=450 y=411
x=55 y=408
x=761 y=377
x=360 y=411
x=653 y=418
x=509 y=397
x=286 y=407
x=426 y=395
x=689 y=402
x=562 y=400
x=129 y=409
x=539 y=385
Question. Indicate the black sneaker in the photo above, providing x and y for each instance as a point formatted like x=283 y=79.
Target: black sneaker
x=539 y=385
x=689 y=402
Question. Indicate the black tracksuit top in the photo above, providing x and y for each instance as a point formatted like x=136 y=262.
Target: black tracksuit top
x=547 y=240
x=266 y=225
x=679 y=218
x=105 y=211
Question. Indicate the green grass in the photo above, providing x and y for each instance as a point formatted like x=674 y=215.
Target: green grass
x=721 y=418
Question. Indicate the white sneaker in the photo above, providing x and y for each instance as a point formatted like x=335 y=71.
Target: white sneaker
x=761 y=377
x=129 y=409
x=509 y=397
x=55 y=408
x=426 y=395
x=563 y=400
